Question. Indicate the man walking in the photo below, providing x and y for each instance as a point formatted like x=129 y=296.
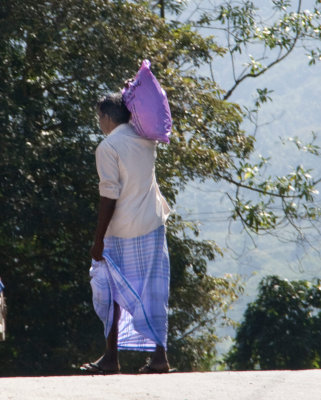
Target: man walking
x=130 y=268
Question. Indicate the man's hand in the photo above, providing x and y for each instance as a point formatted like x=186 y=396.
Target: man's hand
x=97 y=251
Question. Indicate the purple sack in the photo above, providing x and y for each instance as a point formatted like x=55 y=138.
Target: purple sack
x=148 y=104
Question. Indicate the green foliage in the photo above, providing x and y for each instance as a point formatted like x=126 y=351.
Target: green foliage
x=159 y=6
x=258 y=40
x=197 y=301
x=58 y=57
x=281 y=328
x=288 y=24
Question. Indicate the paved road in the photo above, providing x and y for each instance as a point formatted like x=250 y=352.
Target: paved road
x=253 y=385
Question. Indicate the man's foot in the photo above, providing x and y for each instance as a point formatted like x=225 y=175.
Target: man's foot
x=158 y=364
x=94 y=369
x=152 y=368
x=104 y=365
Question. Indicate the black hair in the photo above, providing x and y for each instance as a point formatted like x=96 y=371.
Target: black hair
x=114 y=106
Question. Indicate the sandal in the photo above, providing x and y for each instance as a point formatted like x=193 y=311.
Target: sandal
x=148 y=369
x=95 y=369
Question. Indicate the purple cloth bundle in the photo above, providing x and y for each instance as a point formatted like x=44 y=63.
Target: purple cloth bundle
x=148 y=104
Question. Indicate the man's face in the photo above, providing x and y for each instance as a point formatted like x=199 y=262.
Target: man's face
x=105 y=122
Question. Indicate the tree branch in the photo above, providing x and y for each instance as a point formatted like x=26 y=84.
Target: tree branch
x=279 y=59
x=242 y=185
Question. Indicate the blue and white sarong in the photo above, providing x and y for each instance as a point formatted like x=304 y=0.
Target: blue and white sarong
x=134 y=274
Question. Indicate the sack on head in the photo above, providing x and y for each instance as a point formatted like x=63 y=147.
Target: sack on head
x=148 y=104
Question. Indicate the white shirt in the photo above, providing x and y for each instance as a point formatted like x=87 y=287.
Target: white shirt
x=126 y=168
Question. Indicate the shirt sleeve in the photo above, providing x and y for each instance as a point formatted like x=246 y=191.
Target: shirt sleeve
x=108 y=171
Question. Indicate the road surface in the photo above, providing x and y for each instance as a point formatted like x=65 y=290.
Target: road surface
x=256 y=385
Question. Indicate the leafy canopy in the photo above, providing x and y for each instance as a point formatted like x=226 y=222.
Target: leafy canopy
x=281 y=328
x=58 y=57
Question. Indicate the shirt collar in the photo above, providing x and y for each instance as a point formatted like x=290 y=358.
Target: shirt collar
x=117 y=129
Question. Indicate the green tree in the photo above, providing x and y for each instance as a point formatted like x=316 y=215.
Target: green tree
x=281 y=328
x=58 y=57
x=257 y=39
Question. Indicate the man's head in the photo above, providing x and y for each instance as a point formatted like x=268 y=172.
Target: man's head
x=112 y=112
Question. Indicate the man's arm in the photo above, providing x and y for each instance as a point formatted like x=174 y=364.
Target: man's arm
x=105 y=212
